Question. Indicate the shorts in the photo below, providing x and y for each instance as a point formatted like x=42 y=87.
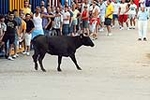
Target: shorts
x=10 y=38
x=98 y=21
x=93 y=23
x=107 y=21
x=85 y=24
x=37 y=32
x=115 y=16
x=102 y=18
x=27 y=39
x=132 y=16
x=65 y=29
x=74 y=22
x=123 y=18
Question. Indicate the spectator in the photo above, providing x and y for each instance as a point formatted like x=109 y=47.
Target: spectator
x=142 y=23
x=22 y=31
x=70 y=21
x=102 y=7
x=94 y=21
x=16 y=42
x=85 y=18
x=29 y=30
x=44 y=19
x=26 y=8
x=21 y=13
x=43 y=4
x=141 y=3
x=147 y=4
x=37 y=20
x=132 y=14
x=75 y=12
x=2 y=32
x=57 y=21
x=10 y=35
x=122 y=13
x=50 y=23
x=66 y=21
x=109 y=16
x=116 y=6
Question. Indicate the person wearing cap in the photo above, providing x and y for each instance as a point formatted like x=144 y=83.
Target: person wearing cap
x=85 y=18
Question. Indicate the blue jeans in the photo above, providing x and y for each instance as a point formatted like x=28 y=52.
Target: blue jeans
x=65 y=29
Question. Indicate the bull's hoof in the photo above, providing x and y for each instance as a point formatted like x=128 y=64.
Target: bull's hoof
x=79 y=68
x=59 y=70
x=43 y=70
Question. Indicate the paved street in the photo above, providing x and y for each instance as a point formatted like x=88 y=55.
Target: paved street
x=117 y=68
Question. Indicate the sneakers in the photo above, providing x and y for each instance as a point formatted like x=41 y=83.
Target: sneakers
x=132 y=27
x=109 y=34
x=121 y=28
x=113 y=26
x=10 y=58
x=15 y=56
x=24 y=52
x=28 y=53
x=101 y=30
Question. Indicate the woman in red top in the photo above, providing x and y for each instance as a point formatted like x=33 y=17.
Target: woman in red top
x=85 y=17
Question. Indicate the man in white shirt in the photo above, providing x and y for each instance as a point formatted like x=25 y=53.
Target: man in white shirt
x=123 y=14
x=116 y=6
x=66 y=21
x=132 y=14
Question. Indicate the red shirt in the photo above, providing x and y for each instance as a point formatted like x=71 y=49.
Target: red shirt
x=136 y=2
x=84 y=14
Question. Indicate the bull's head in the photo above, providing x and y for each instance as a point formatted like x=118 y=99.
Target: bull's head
x=86 y=40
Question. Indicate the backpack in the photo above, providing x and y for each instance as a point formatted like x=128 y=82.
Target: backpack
x=147 y=3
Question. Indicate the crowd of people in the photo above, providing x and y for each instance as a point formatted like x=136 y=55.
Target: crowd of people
x=18 y=28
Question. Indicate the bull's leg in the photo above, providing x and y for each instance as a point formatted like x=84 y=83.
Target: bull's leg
x=59 y=62
x=75 y=61
x=41 y=56
x=35 y=57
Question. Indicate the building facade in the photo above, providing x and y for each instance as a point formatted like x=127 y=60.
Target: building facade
x=9 y=5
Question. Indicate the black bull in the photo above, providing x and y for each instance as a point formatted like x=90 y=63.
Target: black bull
x=60 y=46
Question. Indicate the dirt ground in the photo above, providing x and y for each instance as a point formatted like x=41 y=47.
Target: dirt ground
x=117 y=68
